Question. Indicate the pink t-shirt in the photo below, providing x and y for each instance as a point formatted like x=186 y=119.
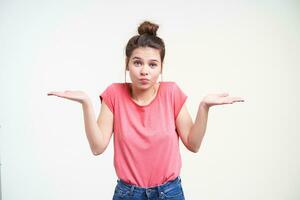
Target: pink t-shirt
x=146 y=144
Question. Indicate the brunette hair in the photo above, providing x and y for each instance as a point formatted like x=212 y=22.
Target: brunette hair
x=147 y=38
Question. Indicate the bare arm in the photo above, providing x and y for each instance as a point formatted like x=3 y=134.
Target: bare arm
x=191 y=133
x=98 y=132
x=197 y=131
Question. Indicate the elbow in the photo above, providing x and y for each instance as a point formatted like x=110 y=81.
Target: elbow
x=98 y=149
x=194 y=150
x=194 y=144
x=194 y=147
x=97 y=152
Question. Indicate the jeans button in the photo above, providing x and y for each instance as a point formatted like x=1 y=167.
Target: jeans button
x=148 y=191
x=161 y=195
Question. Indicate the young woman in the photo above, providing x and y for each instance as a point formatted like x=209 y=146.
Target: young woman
x=147 y=118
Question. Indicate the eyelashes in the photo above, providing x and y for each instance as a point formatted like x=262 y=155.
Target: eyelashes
x=139 y=63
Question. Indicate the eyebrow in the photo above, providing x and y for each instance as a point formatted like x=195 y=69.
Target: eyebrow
x=141 y=59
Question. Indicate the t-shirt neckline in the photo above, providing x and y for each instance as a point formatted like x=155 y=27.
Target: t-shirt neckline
x=142 y=106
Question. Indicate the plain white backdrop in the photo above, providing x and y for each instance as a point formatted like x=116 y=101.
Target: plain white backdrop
x=246 y=48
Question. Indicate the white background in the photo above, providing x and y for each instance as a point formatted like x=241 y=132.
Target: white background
x=246 y=48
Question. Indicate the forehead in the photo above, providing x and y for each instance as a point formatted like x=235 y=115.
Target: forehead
x=146 y=53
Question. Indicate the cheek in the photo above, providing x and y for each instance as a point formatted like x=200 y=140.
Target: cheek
x=133 y=73
x=155 y=75
x=157 y=72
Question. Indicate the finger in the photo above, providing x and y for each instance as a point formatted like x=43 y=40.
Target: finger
x=237 y=99
x=51 y=93
x=224 y=94
x=59 y=94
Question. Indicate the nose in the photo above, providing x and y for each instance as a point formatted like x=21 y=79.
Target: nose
x=144 y=71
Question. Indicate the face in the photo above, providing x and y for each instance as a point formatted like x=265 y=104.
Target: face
x=144 y=67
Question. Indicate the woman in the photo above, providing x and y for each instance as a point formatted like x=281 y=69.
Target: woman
x=147 y=118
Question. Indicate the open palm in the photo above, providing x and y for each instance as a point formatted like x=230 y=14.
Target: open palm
x=219 y=99
x=77 y=95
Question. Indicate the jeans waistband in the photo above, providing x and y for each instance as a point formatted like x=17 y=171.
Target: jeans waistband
x=161 y=187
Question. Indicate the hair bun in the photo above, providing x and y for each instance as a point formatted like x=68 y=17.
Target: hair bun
x=148 y=27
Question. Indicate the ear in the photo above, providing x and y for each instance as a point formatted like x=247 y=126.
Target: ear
x=126 y=64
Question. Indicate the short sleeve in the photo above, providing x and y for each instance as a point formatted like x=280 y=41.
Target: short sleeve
x=108 y=97
x=179 y=97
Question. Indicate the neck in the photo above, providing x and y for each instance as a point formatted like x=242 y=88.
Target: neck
x=143 y=96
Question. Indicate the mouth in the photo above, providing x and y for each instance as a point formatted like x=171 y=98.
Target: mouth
x=144 y=80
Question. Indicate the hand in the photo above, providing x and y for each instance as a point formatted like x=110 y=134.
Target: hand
x=78 y=96
x=219 y=99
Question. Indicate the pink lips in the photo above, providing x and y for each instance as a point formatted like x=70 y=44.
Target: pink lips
x=144 y=80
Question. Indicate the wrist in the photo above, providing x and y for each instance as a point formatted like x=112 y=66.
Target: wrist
x=86 y=102
x=204 y=105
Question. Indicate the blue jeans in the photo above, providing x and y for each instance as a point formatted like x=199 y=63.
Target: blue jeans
x=171 y=190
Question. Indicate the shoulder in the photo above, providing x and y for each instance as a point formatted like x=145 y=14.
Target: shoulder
x=170 y=85
x=117 y=89
x=116 y=86
x=175 y=90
